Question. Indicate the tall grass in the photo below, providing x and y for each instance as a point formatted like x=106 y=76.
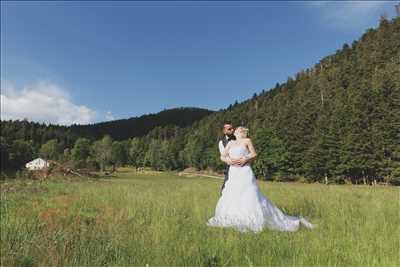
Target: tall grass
x=159 y=219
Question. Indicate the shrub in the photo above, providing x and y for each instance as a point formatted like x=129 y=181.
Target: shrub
x=23 y=174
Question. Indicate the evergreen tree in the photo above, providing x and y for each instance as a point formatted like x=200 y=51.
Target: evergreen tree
x=20 y=153
x=271 y=153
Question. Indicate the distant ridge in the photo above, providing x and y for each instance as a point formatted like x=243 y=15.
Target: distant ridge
x=121 y=129
x=140 y=126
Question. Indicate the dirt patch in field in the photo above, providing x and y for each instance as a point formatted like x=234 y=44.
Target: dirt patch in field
x=194 y=172
x=66 y=200
x=57 y=217
x=190 y=170
x=108 y=214
x=151 y=172
x=53 y=217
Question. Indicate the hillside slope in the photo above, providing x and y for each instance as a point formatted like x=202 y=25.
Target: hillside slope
x=140 y=126
x=337 y=120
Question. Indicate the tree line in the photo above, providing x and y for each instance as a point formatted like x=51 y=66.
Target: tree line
x=337 y=121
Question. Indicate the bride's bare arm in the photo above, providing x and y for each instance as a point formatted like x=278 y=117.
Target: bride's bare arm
x=253 y=154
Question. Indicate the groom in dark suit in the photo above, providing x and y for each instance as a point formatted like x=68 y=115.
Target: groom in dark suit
x=228 y=136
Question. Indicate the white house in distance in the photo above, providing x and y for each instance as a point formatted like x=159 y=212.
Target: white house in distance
x=37 y=164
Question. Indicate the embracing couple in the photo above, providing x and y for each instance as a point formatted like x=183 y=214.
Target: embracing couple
x=242 y=205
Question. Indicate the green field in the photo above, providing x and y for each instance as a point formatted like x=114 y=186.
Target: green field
x=134 y=219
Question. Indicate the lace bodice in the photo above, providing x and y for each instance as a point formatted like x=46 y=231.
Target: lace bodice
x=238 y=151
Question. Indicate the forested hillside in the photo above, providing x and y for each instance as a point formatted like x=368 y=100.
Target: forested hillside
x=20 y=141
x=336 y=121
x=140 y=126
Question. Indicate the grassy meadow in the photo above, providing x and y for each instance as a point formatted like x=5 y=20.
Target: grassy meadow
x=134 y=219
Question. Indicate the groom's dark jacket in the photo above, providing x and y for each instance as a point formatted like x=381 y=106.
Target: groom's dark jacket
x=225 y=140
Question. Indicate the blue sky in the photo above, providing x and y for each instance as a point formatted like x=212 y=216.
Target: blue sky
x=83 y=62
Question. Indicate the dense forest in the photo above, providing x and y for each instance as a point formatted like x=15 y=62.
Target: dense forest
x=338 y=121
x=140 y=126
x=21 y=140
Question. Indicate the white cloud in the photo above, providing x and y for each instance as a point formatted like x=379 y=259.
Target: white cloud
x=350 y=15
x=42 y=102
x=109 y=116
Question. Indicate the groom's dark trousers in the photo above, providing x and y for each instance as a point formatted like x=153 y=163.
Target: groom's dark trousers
x=225 y=141
x=226 y=176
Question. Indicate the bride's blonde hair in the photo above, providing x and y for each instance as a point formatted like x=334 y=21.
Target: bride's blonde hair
x=243 y=130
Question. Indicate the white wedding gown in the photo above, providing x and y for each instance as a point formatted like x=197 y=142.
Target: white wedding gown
x=243 y=206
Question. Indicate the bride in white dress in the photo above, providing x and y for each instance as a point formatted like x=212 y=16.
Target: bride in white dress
x=242 y=205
